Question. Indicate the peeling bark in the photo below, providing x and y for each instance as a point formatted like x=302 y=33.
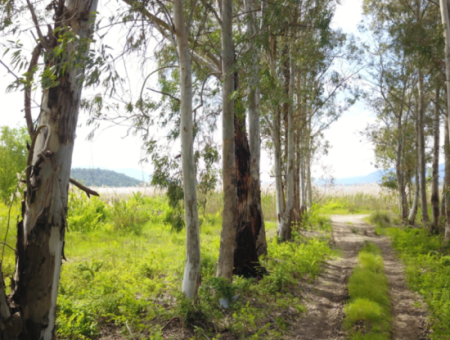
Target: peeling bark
x=40 y=236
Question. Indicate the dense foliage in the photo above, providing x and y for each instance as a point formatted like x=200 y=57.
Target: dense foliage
x=13 y=159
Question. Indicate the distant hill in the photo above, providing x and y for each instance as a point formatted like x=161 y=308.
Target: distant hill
x=101 y=177
x=140 y=175
x=375 y=177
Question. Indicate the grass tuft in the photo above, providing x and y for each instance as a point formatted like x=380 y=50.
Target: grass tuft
x=367 y=316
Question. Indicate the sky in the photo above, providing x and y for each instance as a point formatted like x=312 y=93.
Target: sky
x=111 y=148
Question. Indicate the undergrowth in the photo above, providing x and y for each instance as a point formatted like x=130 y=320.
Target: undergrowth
x=427 y=272
x=125 y=267
x=367 y=315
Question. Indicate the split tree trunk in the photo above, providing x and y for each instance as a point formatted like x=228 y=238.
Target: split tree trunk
x=228 y=234
x=191 y=277
x=40 y=236
x=435 y=183
x=421 y=144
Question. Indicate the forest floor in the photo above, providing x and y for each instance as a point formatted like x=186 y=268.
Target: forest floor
x=326 y=296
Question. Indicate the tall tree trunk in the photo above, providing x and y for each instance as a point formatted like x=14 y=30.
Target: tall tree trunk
x=308 y=167
x=445 y=15
x=40 y=236
x=415 y=204
x=229 y=221
x=191 y=277
x=257 y=218
x=276 y=137
x=285 y=233
x=446 y=193
x=403 y=200
x=246 y=262
x=435 y=183
x=421 y=143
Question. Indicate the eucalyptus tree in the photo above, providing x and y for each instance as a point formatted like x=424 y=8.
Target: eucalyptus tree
x=303 y=77
x=191 y=278
x=412 y=29
x=30 y=312
x=391 y=79
x=229 y=221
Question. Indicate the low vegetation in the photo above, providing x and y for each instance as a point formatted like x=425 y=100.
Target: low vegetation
x=427 y=268
x=367 y=315
x=124 y=269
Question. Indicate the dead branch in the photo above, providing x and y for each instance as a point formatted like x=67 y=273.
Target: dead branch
x=87 y=190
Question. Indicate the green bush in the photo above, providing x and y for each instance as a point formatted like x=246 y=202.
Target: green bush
x=85 y=214
x=380 y=219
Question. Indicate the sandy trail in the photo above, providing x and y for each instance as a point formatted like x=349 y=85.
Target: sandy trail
x=325 y=297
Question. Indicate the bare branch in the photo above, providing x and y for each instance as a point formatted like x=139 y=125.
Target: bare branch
x=87 y=190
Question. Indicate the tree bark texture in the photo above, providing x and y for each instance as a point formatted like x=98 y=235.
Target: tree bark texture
x=257 y=218
x=40 y=235
x=229 y=221
x=435 y=179
x=421 y=144
x=191 y=277
x=246 y=261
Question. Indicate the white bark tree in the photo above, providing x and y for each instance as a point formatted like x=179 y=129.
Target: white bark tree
x=191 y=278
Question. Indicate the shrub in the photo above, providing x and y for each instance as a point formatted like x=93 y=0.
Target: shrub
x=380 y=219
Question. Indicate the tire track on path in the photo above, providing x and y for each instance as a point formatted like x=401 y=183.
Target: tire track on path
x=326 y=296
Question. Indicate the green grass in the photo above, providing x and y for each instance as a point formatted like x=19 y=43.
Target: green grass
x=427 y=272
x=125 y=266
x=367 y=315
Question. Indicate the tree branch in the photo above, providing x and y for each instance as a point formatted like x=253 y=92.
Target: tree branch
x=87 y=190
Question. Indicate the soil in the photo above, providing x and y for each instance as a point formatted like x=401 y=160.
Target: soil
x=325 y=298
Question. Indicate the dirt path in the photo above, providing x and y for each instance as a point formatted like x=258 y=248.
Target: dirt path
x=325 y=298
